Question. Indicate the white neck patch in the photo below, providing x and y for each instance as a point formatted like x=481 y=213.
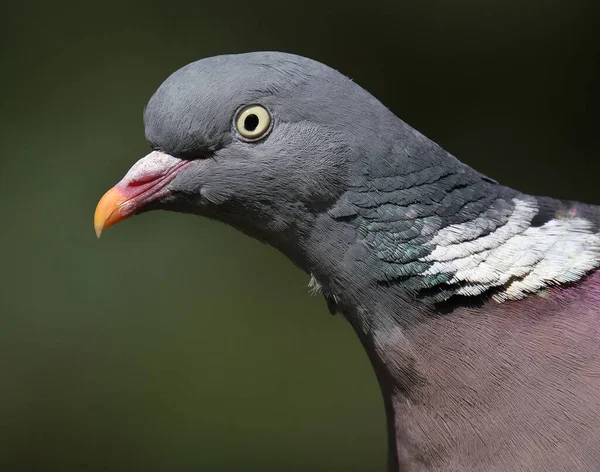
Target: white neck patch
x=516 y=256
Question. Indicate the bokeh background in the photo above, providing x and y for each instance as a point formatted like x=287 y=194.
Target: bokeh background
x=174 y=343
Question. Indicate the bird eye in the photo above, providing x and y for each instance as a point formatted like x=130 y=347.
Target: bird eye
x=253 y=122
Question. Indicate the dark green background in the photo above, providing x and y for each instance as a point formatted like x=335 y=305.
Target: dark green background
x=174 y=343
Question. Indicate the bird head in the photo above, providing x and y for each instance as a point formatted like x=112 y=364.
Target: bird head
x=262 y=141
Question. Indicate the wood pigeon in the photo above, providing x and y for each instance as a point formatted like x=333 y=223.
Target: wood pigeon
x=478 y=305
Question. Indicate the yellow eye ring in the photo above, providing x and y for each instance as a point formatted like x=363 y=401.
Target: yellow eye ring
x=253 y=122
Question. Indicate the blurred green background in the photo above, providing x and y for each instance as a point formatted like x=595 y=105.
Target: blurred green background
x=174 y=343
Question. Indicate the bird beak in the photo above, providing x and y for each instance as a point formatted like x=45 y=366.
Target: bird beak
x=145 y=182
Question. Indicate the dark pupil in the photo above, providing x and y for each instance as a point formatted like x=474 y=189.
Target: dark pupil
x=251 y=122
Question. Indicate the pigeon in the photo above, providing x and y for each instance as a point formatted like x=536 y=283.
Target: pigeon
x=477 y=304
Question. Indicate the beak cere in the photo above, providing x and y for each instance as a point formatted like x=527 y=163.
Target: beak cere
x=145 y=182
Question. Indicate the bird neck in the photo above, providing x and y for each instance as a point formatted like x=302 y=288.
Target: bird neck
x=471 y=239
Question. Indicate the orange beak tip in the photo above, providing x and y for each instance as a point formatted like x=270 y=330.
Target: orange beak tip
x=107 y=211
